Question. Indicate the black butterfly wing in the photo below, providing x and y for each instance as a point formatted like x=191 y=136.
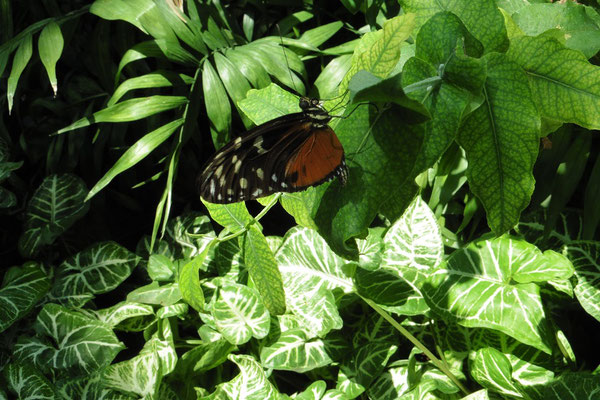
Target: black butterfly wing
x=244 y=168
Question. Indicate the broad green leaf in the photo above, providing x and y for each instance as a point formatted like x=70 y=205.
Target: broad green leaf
x=136 y=153
x=204 y=357
x=142 y=374
x=74 y=344
x=18 y=295
x=444 y=50
x=585 y=256
x=268 y=103
x=366 y=365
x=56 y=204
x=492 y=370
x=50 y=46
x=380 y=54
x=578 y=29
x=251 y=384
x=165 y=295
x=158 y=79
x=294 y=351
x=482 y=18
x=378 y=181
x=501 y=140
x=562 y=80
x=129 y=110
x=189 y=280
x=239 y=314
x=308 y=268
x=262 y=268
x=476 y=287
x=413 y=249
x=314 y=392
x=234 y=217
x=190 y=233
x=27 y=382
x=20 y=61
x=90 y=387
x=568 y=386
x=371 y=249
x=95 y=270
x=122 y=311
x=161 y=268
x=317 y=314
x=218 y=108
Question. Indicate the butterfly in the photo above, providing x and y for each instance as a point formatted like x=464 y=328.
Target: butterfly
x=287 y=154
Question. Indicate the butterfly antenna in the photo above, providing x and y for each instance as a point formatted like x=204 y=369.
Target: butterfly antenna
x=286 y=59
x=356 y=108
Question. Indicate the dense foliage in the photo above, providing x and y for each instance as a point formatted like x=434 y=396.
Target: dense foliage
x=460 y=260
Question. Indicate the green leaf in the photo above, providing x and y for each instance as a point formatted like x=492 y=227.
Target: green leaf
x=568 y=386
x=585 y=256
x=95 y=270
x=79 y=345
x=413 y=249
x=27 y=382
x=205 y=357
x=239 y=314
x=262 y=268
x=120 y=9
x=269 y=103
x=189 y=280
x=294 y=351
x=88 y=387
x=563 y=82
x=153 y=80
x=318 y=314
x=165 y=295
x=307 y=264
x=18 y=295
x=142 y=374
x=366 y=365
x=501 y=140
x=129 y=110
x=443 y=51
x=319 y=35
x=50 y=46
x=123 y=311
x=476 y=287
x=53 y=208
x=136 y=153
x=578 y=29
x=252 y=382
x=380 y=53
x=234 y=81
x=217 y=105
x=482 y=18
x=234 y=217
x=492 y=370
x=20 y=61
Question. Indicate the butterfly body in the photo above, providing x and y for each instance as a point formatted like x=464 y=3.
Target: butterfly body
x=287 y=154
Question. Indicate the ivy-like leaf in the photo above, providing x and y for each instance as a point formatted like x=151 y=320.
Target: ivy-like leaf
x=473 y=288
x=95 y=270
x=585 y=256
x=79 y=345
x=22 y=288
x=54 y=207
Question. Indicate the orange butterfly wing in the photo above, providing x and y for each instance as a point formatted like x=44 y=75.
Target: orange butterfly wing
x=320 y=158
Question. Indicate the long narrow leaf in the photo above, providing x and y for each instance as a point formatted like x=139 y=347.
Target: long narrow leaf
x=50 y=46
x=136 y=153
x=20 y=61
x=129 y=110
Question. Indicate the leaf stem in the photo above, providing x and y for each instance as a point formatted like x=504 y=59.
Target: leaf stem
x=443 y=367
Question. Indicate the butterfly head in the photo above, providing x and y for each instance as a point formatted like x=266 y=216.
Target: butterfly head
x=313 y=108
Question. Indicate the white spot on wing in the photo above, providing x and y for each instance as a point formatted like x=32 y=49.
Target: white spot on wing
x=243 y=183
x=234 y=158
x=237 y=166
x=260 y=174
x=257 y=192
x=219 y=170
x=212 y=187
x=274 y=178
